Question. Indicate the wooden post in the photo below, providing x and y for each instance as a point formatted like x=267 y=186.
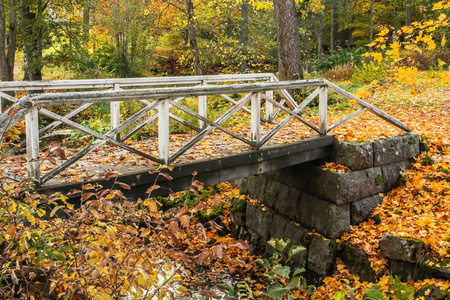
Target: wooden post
x=256 y=119
x=163 y=130
x=269 y=105
x=323 y=110
x=202 y=107
x=115 y=113
x=32 y=137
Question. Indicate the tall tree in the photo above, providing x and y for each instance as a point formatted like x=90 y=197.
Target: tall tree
x=371 y=26
x=289 y=64
x=319 y=34
x=408 y=12
x=193 y=43
x=33 y=27
x=243 y=37
x=333 y=25
x=8 y=36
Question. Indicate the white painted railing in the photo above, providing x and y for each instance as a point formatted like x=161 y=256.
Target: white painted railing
x=161 y=99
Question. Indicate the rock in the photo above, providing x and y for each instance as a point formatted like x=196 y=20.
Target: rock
x=357 y=261
x=356 y=156
x=322 y=256
x=432 y=292
x=297 y=176
x=253 y=186
x=281 y=197
x=259 y=221
x=360 y=210
x=391 y=174
x=341 y=188
x=286 y=230
x=328 y=219
x=403 y=249
x=395 y=149
x=403 y=270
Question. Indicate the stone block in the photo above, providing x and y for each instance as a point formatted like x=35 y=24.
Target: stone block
x=327 y=218
x=357 y=262
x=281 y=197
x=431 y=292
x=284 y=228
x=341 y=188
x=360 y=210
x=297 y=176
x=395 y=149
x=322 y=256
x=356 y=156
x=253 y=186
x=391 y=174
x=403 y=249
x=404 y=270
x=259 y=220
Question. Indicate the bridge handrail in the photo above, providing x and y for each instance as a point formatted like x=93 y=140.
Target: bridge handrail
x=6 y=86
x=162 y=97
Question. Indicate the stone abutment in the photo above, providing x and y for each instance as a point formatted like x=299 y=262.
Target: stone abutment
x=298 y=200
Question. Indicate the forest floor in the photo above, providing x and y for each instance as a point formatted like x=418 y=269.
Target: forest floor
x=422 y=198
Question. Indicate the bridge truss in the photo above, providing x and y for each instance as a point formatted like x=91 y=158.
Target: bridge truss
x=158 y=95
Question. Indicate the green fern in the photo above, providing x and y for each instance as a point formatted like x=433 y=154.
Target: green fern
x=374 y=293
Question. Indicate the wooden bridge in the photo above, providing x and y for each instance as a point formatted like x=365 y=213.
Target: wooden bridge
x=162 y=98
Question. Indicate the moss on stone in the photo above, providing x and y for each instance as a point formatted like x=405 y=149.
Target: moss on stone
x=379 y=180
x=237 y=205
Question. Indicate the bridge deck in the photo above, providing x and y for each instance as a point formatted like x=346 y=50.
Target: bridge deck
x=211 y=171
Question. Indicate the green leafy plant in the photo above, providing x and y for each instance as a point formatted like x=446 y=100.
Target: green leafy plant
x=282 y=279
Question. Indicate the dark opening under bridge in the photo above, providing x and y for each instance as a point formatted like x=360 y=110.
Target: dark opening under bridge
x=163 y=99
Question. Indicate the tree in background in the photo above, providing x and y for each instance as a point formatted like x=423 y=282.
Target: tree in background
x=289 y=65
x=8 y=36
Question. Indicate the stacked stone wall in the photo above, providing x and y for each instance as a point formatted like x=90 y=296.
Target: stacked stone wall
x=300 y=199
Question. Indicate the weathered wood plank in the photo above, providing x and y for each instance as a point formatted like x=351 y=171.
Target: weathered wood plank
x=298 y=110
x=146 y=122
x=32 y=135
x=350 y=116
x=6 y=123
x=202 y=107
x=67 y=163
x=373 y=109
x=114 y=108
x=290 y=112
x=323 y=106
x=127 y=82
x=163 y=131
x=269 y=105
x=229 y=99
x=210 y=128
x=218 y=126
x=255 y=123
x=50 y=127
x=134 y=118
x=171 y=92
x=98 y=135
x=184 y=122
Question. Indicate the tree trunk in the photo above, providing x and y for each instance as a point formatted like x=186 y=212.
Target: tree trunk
x=408 y=13
x=193 y=38
x=320 y=35
x=332 y=25
x=7 y=41
x=32 y=33
x=288 y=42
x=243 y=38
x=371 y=26
x=86 y=23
